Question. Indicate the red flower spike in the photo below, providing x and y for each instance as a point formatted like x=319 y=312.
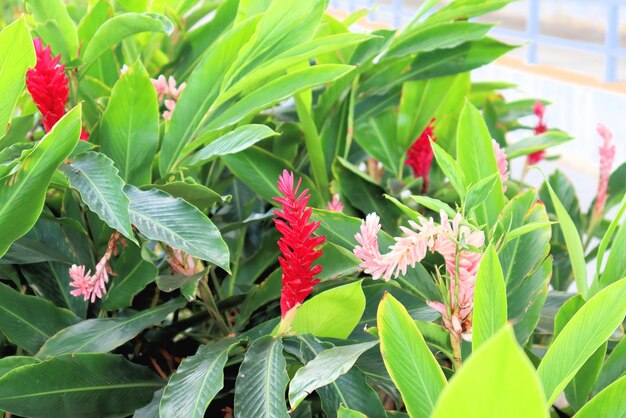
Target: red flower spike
x=48 y=85
x=420 y=155
x=539 y=110
x=297 y=246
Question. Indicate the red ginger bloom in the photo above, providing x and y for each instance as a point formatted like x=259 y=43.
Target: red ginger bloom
x=420 y=155
x=47 y=83
x=539 y=110
x=297 y=246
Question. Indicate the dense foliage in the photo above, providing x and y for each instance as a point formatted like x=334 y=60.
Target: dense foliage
x=247 y=208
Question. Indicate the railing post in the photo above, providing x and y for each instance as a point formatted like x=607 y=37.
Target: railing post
x=532 y=28
x=611 y=42
x=397 y=13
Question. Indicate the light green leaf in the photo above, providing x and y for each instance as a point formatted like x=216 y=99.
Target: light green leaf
x=23 y=193
x=262 y=380
x=62 y=39
x=196 y=381
x=489 y=299
x=476 y=158
x=324 y=369
x=450 y=168
x=198 y=195
x=606 y=241
x=536 y=143
x=497 y=380
x=16 y=56
x=28 y=321
x=59 y=387
x=435 y=205
x=231 y=143
x=119 y=27
x=161 y=217
x=349 y=413
x=614 y=367
x=572 y=239
x=588 y=329
x=376 y=135
x=95 y=177
x=409 y=361
x=608 y=403
x=129 y=129
x=105 y=334
x=7 y=364
x=333 y=313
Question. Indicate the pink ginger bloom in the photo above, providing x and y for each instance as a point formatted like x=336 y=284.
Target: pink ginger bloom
x=367 y=251
x=503 y=164
x=539 y=110
x=168 y=93
x=335 y=204
x=182 y=263
x=607 y=156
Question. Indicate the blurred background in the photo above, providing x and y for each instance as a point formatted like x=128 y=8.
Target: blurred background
x=571 y=52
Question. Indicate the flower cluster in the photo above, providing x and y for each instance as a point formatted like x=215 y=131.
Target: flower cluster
x=420 y=155
x=48 y=85
x=297 y=246
x=503 y=164
x=607 y=156
x=458 y=244
x=168 y=93
x=93 y=287
x=539 y=110
x=335 y=204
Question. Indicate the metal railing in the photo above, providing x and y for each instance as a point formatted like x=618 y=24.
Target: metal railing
x=401 y=11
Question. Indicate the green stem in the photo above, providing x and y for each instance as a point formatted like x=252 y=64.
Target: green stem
x=456 y=351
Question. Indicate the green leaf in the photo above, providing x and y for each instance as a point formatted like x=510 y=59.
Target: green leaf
x=614 y=367
x=349 y=413
x=59 y=387
x=276 y=91
x=489 y=299
x=588 y=329
x=133 y=274
x=129 y=129
x=477 y=160
x=324 y=369
x=151 y=410
x=333 y=313
x=572 y=239
x=105 y=334
x=615 y=267
x=259 y=170
x=95 y=177
x=7 y=364
x=497 y=380
x=119 y=27
x=22 y=194
x=175 y=222
x=408 y=359
x=198 y=195
x=28 y=321
x=450 y=168
x=16 y=56
x=231 y=143
x=477 y=193
x=376 y=135
x=435 y=205
x=196 y=381
x=536 y=143
x=608 y=403
x=262 y=380
x=64 y=37
x=439 y=36
x=604 y=245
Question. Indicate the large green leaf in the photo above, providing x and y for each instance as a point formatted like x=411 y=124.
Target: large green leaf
x=536 y=143
x=78 y=385
x=324 y=369
x=29 y=321
x=477 y=160
x=608 y=403
x=95 y=177
x=13 y=362
x=497 y=380
x=16 y=56
x=129 y=129
x=614 y=367
x=333 y=313
x=161 y=217
x=410 y=363
x=588 y=329
x=133 y=274
x=22 y=194
x=343 y=412
x=350 y=390
x=262 y=380
x=56 y=27
x=198 y=195
x=231 y=143
x=489 y=299
x=119 y=27
x=376 y=135
x=196 y=381
x=105 y=334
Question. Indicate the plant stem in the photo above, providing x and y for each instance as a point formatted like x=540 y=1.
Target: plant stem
x=211 y=306
x=456 y=350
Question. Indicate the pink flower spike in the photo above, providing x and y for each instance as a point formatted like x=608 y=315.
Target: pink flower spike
x=607 y=156
x=503 y=164
x=335 y=204
x=367 y=251
x=81 y=282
